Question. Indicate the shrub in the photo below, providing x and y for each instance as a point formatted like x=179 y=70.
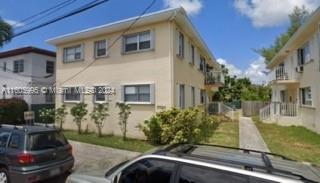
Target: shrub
x=179 y=126
x=78 y=112
x=123 y=118
x=60 y=115
x=12 y=110
x=98 y=115
x=47 y=115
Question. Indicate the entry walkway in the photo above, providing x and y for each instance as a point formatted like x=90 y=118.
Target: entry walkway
x=249 y=136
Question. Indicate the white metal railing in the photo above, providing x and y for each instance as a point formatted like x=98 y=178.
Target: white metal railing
x=281 y=74
x=221 y=108
x=279 y=109
x=265 y=112
x=214 y=77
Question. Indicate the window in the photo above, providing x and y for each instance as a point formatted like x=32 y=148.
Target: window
x=137 y=42
x=72 y=54
x=4 y=136
x=137 y=93
x=45 y=140
x=72 y=94
x=193 y=95
x=18 y=66
x=148 y=171
x=306 y=96
x=182 y=97
x=49 y=96
x=99 y=95
x=50 y=67
x=181 y=45
x=202 y=63
x=100 y=48
x=15 y=141
x=4 y=66
x=304 y=54
x=190 y=174
x=202 y=96
x=192 y=55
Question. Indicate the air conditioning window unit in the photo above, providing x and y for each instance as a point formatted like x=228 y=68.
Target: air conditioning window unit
x=299 y=68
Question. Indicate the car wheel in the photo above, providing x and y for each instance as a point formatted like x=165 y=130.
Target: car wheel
x=4 y=176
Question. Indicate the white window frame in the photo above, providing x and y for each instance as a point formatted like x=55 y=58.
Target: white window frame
x=72 y=101
x=20 y=67
x=106 y=97
x=306 y=96
x=49 y=61
x=152 y=93
x=138 y=34
x=181 y=44
x=73 y=47
x=96 y=48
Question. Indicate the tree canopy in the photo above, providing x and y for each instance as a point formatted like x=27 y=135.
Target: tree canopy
x=239 y=89
x=6 y=32
x=297 y=18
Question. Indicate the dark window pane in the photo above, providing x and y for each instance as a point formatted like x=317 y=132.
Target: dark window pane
x=99 y=93
x=47 y=140
x=144 y=45
x=4 y=136
x=131 y=47
x=101 y=52
x=191 y=174
x=50 y=67
x=15 y=142
x=144 y=97
x=137 y=93
x=72 y=94
x=148 y=171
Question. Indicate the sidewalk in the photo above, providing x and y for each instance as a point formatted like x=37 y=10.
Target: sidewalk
x=249 y=136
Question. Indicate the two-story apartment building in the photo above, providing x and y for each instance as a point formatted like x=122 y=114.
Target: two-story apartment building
x=161 y=62
x=294 y=78
x=25 y=68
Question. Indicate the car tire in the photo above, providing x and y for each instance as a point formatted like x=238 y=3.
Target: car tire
x=4 y=176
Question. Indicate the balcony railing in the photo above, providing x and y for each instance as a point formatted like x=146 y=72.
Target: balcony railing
x=283 y=74
x=214 y=78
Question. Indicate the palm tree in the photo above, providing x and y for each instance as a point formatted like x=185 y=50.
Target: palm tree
x=6 y=32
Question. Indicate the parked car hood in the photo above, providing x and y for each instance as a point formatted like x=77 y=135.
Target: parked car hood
x=78 y=178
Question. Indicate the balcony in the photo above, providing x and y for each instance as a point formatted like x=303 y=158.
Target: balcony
x=214 y=78
x=281 y=75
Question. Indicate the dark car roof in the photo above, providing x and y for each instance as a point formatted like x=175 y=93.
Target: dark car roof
x=26 y=128
x=244 y=159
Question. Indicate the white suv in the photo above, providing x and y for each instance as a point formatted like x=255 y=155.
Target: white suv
x=184 y=163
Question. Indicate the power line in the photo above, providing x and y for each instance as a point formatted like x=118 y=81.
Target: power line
x=74 y=12
x=47 y=13
x=113 y=43
x=40 y=13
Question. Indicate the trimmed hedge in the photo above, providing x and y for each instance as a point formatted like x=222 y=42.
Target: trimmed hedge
x=11 y=110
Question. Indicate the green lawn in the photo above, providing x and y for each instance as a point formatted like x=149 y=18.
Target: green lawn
x=110 y=141
x=227 y=134
x=296 y=143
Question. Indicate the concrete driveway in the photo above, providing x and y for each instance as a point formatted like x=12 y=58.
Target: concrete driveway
x=94 y=160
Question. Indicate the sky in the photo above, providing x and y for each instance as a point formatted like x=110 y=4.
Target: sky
x=232 y=29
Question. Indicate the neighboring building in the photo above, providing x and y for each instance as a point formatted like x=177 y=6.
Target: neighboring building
x=160 y=63
x=27 y=67
x=294 y=78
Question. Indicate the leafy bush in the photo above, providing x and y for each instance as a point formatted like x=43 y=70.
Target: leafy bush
x=179 y=126
x=99 y=115
x=11 y=110
x=79 y=111
x=47 y=115
x=60 y=115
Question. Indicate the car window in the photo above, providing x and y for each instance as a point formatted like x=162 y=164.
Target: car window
x=193 y=174
x=14 y=141
x=258 y=180
x=148 y=171
x=45 y=140
x=4 y=136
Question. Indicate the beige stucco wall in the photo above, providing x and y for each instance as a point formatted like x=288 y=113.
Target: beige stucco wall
x=309 y=115
x=118 y=69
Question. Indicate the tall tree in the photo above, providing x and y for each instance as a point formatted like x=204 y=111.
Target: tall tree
x=297 y=18
x=6 y=32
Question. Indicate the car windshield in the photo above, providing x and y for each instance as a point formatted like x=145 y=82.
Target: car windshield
x=45 y=140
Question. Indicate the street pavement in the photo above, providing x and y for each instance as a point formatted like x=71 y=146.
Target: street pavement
x=94 y=160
